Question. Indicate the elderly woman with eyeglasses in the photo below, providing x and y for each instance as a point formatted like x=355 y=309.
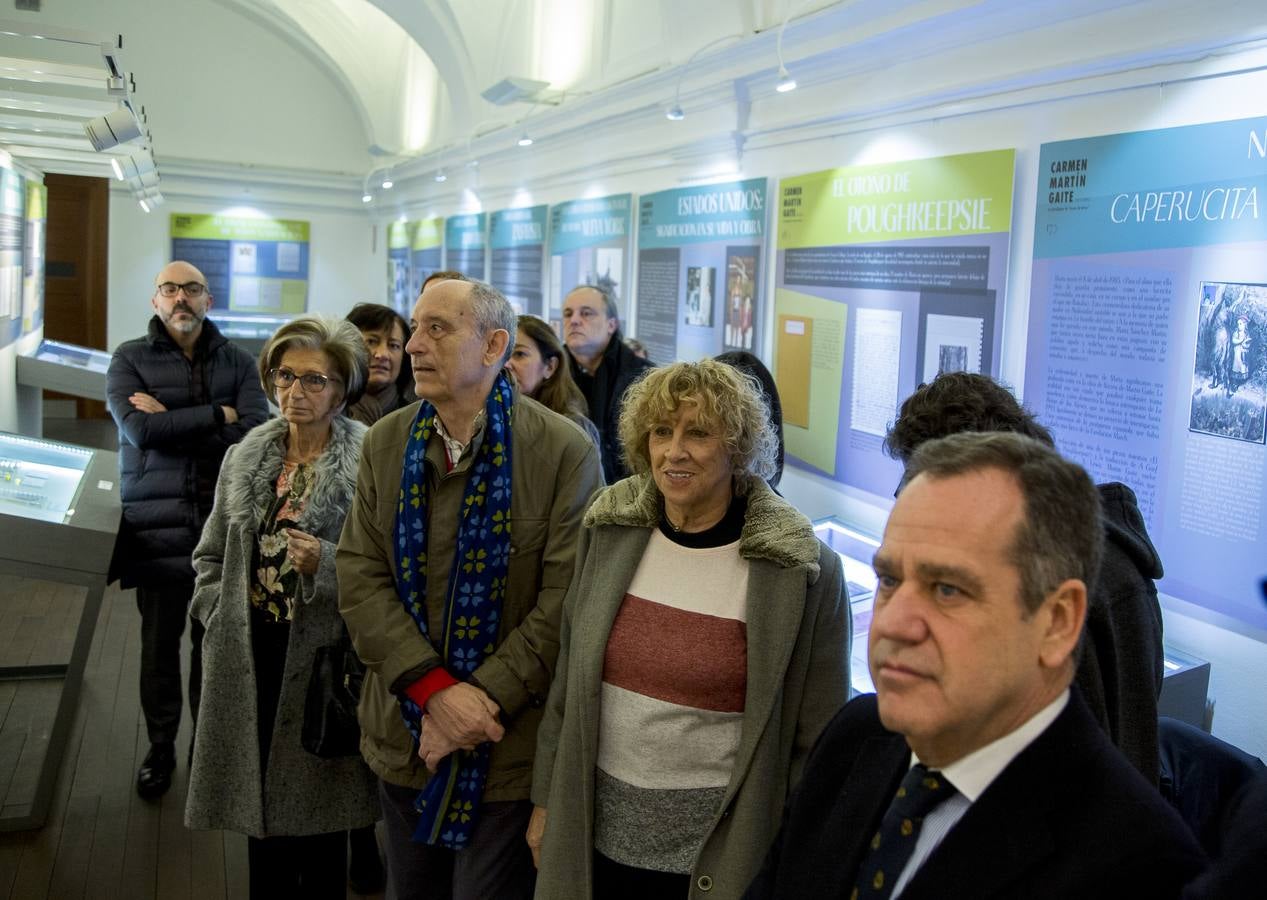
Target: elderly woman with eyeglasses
x=267 y=594
x=704 y=645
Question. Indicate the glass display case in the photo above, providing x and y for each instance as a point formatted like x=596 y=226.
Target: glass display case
x=855 y=550
x=73 y=355
x=59 y=515
x=1184 y=688
x=68 y=368
x=248 y=331
x=40 y=479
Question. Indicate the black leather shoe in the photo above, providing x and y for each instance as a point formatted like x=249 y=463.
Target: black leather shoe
x=365 y=871
x=155 y=775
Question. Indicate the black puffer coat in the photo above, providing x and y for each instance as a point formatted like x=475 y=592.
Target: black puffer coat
x=169 y=461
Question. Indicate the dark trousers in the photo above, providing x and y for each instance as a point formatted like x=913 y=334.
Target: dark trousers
x=616 y=881
x=313 y=867
x=497 y=863
x=163 y=613
x=269 y=642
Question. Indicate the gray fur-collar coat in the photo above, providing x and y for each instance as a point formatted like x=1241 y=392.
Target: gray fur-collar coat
x=798 y=631
x=300 y=794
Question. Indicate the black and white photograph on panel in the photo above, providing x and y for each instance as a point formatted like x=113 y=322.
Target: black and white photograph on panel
x=1229 y=373
x=701 y=282
x=954 y=357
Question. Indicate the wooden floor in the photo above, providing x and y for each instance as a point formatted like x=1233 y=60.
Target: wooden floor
x=101 y=840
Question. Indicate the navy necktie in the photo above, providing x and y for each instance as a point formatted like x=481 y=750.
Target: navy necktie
x=892 y=846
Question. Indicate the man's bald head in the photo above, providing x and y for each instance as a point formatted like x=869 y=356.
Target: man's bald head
x=180 y=272
x=181 y=299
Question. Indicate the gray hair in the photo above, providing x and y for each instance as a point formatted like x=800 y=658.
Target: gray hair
x=338 y=339
x=492 y=312
x=608 y=295
x=1060 y=535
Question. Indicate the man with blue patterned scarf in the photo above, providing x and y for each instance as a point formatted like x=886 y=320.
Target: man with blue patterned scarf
x=452 y=569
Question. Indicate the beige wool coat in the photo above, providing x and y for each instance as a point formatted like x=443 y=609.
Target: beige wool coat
x=799 y=632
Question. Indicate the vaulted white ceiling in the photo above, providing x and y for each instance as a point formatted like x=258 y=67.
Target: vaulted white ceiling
x=319 y=94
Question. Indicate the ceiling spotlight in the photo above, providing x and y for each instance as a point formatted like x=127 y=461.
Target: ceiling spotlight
x=366 y=198
x=387 y=182
x=440 y=176
x=674 y=113
x=786 y=81
x=524 y=140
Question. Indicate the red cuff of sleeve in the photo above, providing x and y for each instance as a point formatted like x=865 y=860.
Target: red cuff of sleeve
x=436 y=680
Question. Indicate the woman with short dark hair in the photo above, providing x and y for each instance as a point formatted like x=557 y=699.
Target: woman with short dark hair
x=390 y=385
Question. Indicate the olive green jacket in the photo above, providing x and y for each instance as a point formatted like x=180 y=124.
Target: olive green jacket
x=799 y=632
x=554 y=470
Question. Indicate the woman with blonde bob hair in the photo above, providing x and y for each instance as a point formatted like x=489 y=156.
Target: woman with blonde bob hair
x=704 y=645
x=267 y=594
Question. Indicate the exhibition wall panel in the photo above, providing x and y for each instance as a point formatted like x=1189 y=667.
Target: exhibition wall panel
x=700 y=264
x=886 y=275
x=517 y=244
x=465 y=241
x=346 y=257
x=1148 y=312
x=590 y=243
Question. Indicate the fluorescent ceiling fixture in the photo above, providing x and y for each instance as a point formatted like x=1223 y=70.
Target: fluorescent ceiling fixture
x=674 y=113
x=524 y=140
x=145 y=206
x=786 y=81
x=512 y=90
x=114 y=164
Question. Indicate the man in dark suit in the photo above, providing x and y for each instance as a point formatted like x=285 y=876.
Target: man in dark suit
x=1120 y=667
x=980 y=602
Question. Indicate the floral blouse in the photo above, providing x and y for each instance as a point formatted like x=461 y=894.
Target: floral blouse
x=275 y=582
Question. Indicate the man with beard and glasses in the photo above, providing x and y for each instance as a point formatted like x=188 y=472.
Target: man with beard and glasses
x=180 y=396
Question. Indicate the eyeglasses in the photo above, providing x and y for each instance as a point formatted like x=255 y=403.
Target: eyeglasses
x=192 y=289
x=312 y=383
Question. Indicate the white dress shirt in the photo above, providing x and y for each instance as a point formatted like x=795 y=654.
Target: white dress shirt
x=970 y=777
